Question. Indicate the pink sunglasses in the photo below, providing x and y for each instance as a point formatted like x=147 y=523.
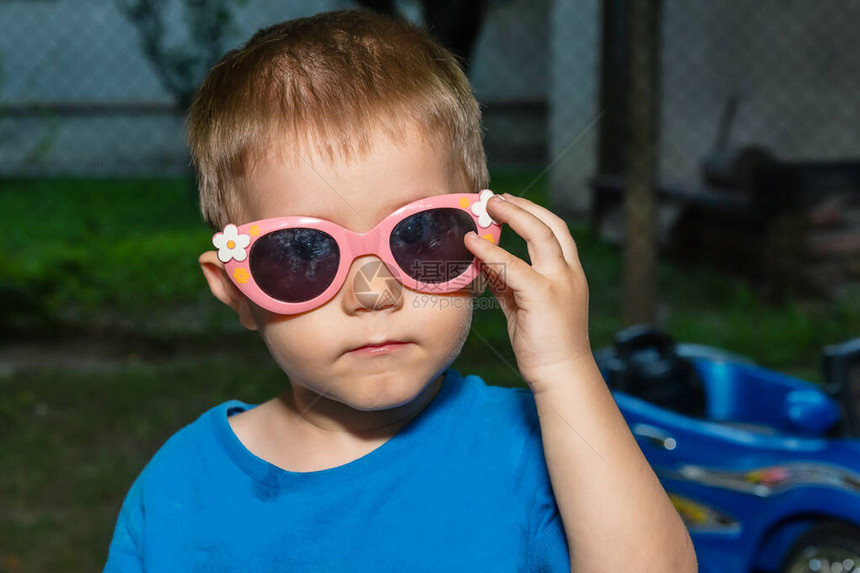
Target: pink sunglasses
x=289 y=265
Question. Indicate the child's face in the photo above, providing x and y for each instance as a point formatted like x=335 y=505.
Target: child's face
x=314 y=348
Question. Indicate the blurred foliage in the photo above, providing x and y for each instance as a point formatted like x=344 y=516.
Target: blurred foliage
x=79 y=249
x=181 y=67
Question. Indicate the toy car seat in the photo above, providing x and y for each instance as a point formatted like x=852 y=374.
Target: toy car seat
x=841 y=365
x=643 y=363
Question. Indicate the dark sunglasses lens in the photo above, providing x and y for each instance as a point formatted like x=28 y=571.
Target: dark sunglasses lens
x=294 y=265
x=429 y=247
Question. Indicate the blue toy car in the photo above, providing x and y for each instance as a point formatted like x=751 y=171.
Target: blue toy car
x=764 y=468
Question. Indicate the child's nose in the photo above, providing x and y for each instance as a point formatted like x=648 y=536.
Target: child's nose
x=370 y=285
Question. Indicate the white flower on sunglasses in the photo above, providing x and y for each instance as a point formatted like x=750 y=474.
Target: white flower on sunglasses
x=230 y=244
x=479 y=208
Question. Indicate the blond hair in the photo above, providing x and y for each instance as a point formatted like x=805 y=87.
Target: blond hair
x=327 y=84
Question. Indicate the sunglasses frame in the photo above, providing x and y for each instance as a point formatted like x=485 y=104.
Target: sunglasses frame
x=234 y=246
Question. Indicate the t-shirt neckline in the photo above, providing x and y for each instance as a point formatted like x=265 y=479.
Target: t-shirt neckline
x=265 y=471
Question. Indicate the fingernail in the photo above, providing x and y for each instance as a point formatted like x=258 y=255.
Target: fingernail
x=500 y=197
x=471 y=235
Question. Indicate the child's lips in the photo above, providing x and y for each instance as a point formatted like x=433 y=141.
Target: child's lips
x=383 y=347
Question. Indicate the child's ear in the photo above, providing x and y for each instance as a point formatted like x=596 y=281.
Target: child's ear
x=224 y=289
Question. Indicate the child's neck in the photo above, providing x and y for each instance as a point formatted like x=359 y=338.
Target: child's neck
x=287 y=433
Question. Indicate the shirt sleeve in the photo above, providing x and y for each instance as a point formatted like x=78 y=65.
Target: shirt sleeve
x=548 y=548
x=124 y=553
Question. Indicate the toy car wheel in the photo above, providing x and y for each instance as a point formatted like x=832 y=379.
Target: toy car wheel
x=830 y=547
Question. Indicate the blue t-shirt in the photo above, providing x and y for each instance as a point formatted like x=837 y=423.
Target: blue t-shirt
x=462 y=487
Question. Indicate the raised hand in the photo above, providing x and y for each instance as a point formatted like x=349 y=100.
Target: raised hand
x=545 y=302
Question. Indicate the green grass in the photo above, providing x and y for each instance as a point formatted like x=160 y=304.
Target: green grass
x=101 y=277
x=83 y=252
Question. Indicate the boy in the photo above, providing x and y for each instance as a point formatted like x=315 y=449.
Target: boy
x=323 y=146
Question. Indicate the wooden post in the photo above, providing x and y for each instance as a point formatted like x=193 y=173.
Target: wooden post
x=640 y=248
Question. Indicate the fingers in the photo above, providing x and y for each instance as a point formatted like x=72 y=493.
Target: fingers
x=550 y=244
x=518 y=275
x=557 y=224
x=544 y=249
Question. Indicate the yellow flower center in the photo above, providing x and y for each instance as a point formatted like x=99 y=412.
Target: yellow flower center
x=231 y=244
